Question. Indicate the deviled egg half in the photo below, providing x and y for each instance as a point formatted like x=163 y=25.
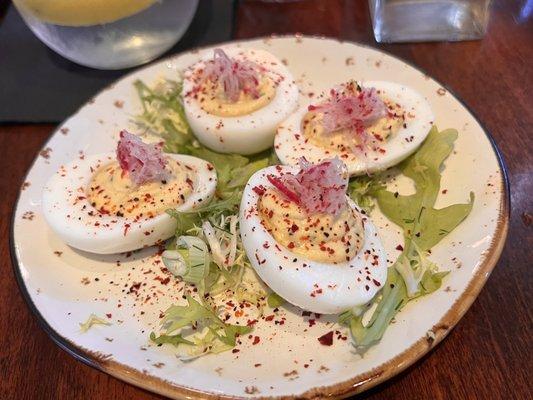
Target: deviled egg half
x=235 y=99
x=370 y=126
x=117 y=202
x=308 y=241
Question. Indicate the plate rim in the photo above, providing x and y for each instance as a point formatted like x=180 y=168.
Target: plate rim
x=343 y=389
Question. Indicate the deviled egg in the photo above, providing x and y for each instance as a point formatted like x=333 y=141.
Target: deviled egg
x=308 y=241
x=370 y=126
x=117 y=202
x=235 y=99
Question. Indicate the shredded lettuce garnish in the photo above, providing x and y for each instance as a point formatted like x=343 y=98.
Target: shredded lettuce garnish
x=213 y=334
x=91 y=321
x=215 y=260
x=207 y=252
x=413 y=274
x=190 y=260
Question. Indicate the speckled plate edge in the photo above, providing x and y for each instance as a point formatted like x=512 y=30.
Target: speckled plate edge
x=343 y=389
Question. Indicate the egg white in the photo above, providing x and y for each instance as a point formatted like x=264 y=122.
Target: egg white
x=290 y=143
x=295 y=282
x=65 y=207
x=246 y=134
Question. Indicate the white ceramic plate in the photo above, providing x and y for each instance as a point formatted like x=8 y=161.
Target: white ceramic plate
x=63 y=286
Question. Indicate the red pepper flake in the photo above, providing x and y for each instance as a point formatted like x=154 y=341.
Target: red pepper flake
x=109 y=315
x=235 y=351
x=163 y=281
x=312 y=322
x=126 y=227
x=256 y=340
x=291 y=245
x=327 y=339
x=294 y=228
x=45 y=153
x=251 y=322
x=444 y=191
x=134 y=288
x=399 y=247
x=260 y=190
x=269 y=318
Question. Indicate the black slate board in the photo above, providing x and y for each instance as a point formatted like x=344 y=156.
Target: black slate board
x=38 y=85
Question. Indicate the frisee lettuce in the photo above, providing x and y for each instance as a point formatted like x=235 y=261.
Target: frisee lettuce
x=214 y=335
x=163 y=114
x=362 y=189
x=223 y=269
x=190 y=260
x=413 y=274
x=174 y=340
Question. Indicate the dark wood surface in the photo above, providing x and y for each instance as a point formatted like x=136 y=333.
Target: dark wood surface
x=488 y=354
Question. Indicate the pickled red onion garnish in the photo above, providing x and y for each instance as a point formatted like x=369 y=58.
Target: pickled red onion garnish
x=282 y=186
x=234 y=75
x=351 y=110
x=319 y=188
x=143 y=162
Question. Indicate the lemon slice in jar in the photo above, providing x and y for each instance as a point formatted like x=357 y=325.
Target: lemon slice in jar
x=82 y=12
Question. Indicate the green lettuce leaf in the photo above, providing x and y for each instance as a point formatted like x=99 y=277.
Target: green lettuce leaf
x=413 y=274
x=174 y=340
x=274 y=300
x=393 y=297
x=415 y=214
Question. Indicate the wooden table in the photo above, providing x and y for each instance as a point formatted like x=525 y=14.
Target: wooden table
x=487 y=356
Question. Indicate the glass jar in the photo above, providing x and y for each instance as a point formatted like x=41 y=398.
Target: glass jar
x=108 y=34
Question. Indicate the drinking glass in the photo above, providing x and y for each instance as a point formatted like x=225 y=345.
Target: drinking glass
x=429 y=20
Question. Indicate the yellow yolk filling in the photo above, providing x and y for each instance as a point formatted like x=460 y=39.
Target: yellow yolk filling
x=319 y=237
x=213 y=100
x=112 y=192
